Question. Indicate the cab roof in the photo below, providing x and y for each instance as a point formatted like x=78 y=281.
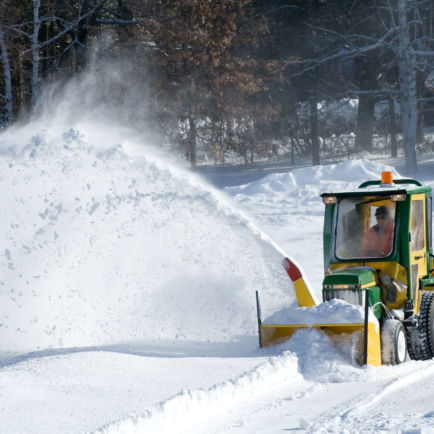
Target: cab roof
x=377 y=188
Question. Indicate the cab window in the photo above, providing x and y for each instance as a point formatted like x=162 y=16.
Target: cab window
x=365 y=228
x=417 y=226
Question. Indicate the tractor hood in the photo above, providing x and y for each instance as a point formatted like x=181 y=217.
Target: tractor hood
x=348 y=285
x=350 y=279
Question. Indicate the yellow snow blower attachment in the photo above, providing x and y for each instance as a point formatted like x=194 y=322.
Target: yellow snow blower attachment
x=378 y=286
x=353 y=321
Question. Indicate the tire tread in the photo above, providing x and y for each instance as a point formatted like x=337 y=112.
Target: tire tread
x=420 y=340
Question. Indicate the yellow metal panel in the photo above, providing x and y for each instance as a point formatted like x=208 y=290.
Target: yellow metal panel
x=418 y=257
x=344 y=326
x=274 y=334
x=374 y=345
x=399 y=274
x=304 y=297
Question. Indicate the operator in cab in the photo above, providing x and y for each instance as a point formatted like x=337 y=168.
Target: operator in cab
x=377 y=241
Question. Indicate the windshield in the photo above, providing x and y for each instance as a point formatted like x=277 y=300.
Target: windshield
x=365 y=227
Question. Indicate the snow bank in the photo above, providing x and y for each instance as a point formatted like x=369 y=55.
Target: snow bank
x=304 y=185
x=103 y=242
x=191 y=407
x=296 y=368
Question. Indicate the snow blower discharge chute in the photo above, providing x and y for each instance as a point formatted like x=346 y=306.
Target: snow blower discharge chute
x=379 y=275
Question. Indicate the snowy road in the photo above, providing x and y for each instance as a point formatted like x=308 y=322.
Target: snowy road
x=98 y=389
x=127 y=298
x=84 y=389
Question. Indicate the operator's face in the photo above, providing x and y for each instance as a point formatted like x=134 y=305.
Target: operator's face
x=382 y=220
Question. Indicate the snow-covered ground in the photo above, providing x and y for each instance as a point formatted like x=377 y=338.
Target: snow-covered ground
x=127 y=297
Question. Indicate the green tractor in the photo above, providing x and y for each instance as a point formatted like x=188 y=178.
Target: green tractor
x=377 y=257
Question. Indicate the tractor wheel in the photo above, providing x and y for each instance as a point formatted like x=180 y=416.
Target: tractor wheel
x=393 y=342
x=421 y=339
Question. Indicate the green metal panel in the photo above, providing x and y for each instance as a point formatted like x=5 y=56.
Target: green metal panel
x=428 y=281
x=382 y=192
x=374 y=298
x=350 y=277
x=403 y=240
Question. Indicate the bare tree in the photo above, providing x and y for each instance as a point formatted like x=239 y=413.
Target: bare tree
x=6 y=117
x=378 y=61
x=31 y=30
x=407 y=85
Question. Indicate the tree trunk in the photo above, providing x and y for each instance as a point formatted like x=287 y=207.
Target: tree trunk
x=192 y=142
x=365 y=123
x=35 y=51
x=21 y=84
x=82 y=36
x=392 y=128
x=420 y=106
x=49 y=51
x=7 y=77
x=314 y=132
x=366 y=75
x=408 y=89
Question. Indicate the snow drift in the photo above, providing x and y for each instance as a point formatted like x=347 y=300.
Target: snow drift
x=104 y=242
x=186 y=410
x=302 y=187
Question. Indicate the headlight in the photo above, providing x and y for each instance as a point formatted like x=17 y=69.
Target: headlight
x=329 y=200
x=398 y=197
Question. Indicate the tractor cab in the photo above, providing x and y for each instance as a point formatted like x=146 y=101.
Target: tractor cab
x=379 y=238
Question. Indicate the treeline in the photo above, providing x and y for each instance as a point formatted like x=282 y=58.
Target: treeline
x=237 y=76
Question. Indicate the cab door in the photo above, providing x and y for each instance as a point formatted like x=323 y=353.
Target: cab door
x=418 y=248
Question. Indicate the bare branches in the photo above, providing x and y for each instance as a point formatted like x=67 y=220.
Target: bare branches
x=230 y=72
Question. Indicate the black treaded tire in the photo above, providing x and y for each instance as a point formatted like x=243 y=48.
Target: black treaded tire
x=393 y=342
x=420 y=340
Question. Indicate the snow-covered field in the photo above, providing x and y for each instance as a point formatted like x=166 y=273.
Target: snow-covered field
x=127 y=297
